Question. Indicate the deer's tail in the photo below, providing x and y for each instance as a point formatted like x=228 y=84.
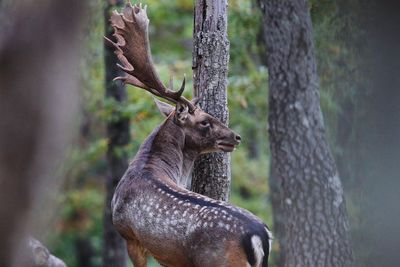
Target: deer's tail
x=257 y=246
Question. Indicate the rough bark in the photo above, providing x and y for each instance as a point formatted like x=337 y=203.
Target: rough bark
x=211 y=174
x=114 y=249
x=38 y=101
x=309 y=206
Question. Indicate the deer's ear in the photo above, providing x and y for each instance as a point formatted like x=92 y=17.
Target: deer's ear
x=163 y=107
x=182 y=112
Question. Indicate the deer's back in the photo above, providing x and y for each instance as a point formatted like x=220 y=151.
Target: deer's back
x=164 y=217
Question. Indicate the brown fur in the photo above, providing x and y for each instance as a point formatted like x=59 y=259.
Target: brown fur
x=150 y=187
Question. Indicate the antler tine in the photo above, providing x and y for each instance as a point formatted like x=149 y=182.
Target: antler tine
x=171 y=82
x=133 y=50
x=183 y=85
x=178 y=94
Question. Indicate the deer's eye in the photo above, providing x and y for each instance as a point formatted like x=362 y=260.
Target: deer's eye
x=204 y=123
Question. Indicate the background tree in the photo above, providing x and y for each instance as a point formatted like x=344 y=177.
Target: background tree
x=38 y=103
x=211 y=174
x=309 y=207
x=118 y=133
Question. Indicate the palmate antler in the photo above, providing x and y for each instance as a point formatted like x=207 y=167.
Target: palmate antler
x=133 y=51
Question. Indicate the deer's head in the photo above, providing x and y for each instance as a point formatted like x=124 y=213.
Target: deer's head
x=203 y=133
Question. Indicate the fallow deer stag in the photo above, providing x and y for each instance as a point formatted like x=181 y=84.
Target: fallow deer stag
x=151 y=207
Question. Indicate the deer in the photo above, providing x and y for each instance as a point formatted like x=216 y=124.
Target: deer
x=151 y=208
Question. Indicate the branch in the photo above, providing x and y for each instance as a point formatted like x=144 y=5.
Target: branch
x=41 y=256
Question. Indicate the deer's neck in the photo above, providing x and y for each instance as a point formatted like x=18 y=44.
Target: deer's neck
x=189 y=157
x=164 y=155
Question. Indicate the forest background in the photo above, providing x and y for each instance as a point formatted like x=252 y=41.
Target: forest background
x=76 y=231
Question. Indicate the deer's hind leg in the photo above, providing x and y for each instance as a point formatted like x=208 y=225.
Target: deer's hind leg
x=137 y=253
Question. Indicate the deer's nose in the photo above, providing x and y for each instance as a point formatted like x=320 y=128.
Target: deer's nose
x=238 y=138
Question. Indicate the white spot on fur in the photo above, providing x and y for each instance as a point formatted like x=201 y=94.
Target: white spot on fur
x=257 y=248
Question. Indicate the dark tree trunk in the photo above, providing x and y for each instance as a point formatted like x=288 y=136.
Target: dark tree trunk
x=309 y=203
x=114 y=250
x=211 y=174
x=84 y=252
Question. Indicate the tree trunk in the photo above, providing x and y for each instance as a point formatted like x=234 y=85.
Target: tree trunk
x=38 y=103
x=211 y=174
x=84 y=252
x=114 y=250
x=310 y=206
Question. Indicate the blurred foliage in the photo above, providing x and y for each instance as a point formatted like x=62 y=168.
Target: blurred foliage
x=171 y=25
x=80 y=220
x=336 y=58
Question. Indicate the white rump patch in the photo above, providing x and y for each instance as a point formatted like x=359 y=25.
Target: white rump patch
x=257 y=248
x=270 y=237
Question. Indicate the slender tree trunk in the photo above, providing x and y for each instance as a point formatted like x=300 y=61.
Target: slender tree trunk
x=211 y=175
x=84 y=252
x=310 y=208
x=114 y=250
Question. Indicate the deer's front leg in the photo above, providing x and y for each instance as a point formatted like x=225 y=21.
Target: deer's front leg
x=137 y=253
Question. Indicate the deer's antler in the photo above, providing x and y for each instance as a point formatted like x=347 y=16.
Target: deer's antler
x=133 y=51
